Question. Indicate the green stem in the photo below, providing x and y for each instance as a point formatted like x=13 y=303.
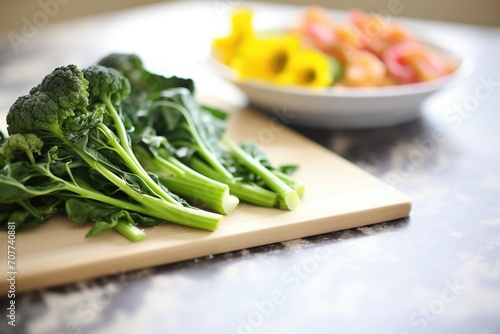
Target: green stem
x=250 y=193
x=130 y=231
x=206 y=195
x=29 y=208
x=160 y=208
x=289 y=195
x=205 y=152
x=157 y=208
x=153 y=206
x=119 y=127
x=293 y=183
x=194 y=187
x=135 y=166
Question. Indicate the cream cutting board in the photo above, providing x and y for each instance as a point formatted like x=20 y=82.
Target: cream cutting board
x=338 y=196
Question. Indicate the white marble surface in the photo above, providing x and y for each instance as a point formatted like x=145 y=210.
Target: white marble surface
x=437 y=271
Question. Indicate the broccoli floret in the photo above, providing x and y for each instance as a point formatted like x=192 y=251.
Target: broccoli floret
x=130 y=65
x=35 y=113
x=106 y=84
x=66 y=86
x=22 y=143
x=62 y=93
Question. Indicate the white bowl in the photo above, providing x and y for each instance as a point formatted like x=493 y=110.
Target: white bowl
x=342 y=107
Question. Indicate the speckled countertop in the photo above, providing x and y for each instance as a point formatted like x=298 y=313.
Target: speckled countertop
x=437 y=271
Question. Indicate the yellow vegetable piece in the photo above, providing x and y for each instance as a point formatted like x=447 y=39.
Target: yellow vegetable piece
x=226 y=48
x=279 y=59
x=307 y=68
x=265 y=58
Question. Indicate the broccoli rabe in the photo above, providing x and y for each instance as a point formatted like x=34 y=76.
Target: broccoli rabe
x=148 y=87
x=196 y=132
x=120 y=146
x=59 y=112
x=108 y=86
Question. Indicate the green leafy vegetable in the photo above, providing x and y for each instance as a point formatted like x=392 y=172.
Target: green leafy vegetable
x=118 y=146
x=58 y=112
x=142 y=80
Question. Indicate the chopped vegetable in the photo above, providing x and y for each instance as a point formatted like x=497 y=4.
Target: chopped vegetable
x=121 y=147
x=316 y=52
x=276 y=58
x=192 y=133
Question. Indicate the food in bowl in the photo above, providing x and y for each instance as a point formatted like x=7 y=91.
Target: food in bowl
x=317 y=52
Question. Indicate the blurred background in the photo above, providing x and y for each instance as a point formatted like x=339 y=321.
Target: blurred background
x=480 y=12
